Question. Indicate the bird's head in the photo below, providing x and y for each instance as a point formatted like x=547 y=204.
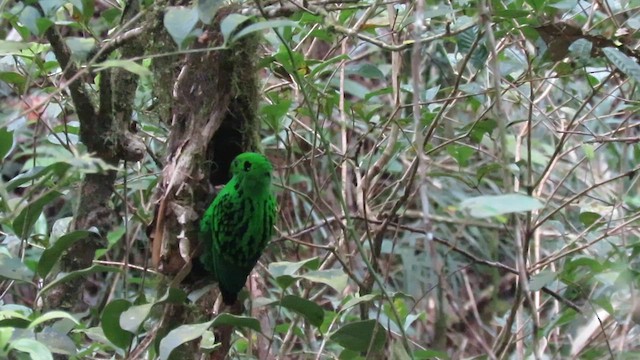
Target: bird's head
x=252 y=171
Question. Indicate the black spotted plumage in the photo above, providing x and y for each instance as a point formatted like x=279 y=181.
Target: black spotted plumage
x=239 y=223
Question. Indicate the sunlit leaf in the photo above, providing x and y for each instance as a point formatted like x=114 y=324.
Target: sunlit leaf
x=359 y=299
x=132 y=318
x=179 y=336
x=335 y=278
x=35 y=349
x=13 y=47
x=281 y=268
x=229 y=24
x=129 y=65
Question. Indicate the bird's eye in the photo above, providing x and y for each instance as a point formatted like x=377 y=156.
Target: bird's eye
x=247 y=166
x=267 y=174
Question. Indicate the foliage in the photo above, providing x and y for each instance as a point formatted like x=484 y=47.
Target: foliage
x=454 y=179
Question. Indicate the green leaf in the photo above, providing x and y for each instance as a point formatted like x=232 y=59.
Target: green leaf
x=581 y=50
x=361 y=336
x=58 y=169
x=14 y=269
x=5 y=336
x=511 y=14
x=489 y=168
x=592 y=265
x=274 y=113
x=133 y=317
x=291 y=61
x=110 y=321
x=14 y=322
x=239 y=321
x=229 y=24
x=129 y=65
x=537 y=5
x=335 y=278
x=438 y=11
x=369 y=71
x=285 y=281
x=29 y=18
x=541 y=279
x=466 y=39
x=50 y=316
x=480 y=128
x=269 y=24
x=325 y=65
x=588 y=218
x=180 y=22
x=281 y=268
x=11 y=77
x=78 y=4
x=6 y=141
x=111 y=16
x=567 y=316
x=310 y=310
x=80 y=47
x=429 y=354
x=623 y=62
x=56 y=341
x=352 y=87
x=461 y=154
x=35 y=349
x=207 y=10
x=76 y=274
x=86 y=8
x=359 y=299
x=494 y=205
x=49 y=7
x=398 y=351
x=173 y=296
x=179 y=336
x=23 y=223
x=51 y=255
x=13 y=47
x=208 y=341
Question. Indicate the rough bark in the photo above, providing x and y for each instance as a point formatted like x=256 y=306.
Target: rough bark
x=108 y=138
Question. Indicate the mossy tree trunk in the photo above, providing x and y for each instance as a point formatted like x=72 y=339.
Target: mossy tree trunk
x=212 y=97
x=208 y=100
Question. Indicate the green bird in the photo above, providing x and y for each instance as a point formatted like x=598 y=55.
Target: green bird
x=239 y=223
